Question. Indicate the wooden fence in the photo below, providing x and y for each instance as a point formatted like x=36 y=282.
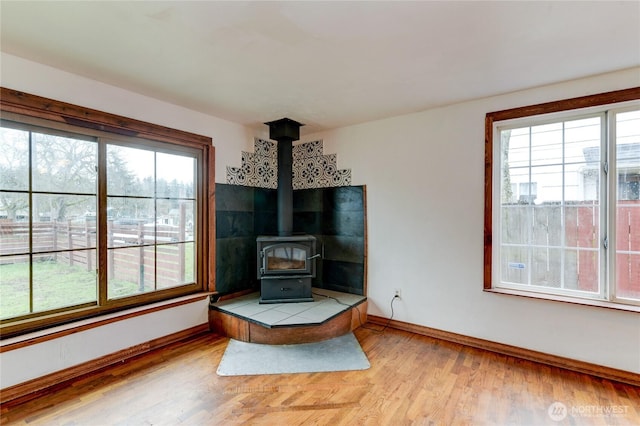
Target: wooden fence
x=132 y=255
x=543 y=224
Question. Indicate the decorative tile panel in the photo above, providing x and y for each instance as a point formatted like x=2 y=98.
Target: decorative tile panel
x=259 y=169
x=311 y=168
x=307 y=150
x=265 y=148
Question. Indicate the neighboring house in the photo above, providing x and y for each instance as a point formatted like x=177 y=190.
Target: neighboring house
x=628 y=168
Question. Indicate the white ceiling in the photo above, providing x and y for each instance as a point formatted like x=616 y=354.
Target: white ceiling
x=325 y=64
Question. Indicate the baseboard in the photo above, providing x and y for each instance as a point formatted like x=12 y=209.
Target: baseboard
x=540 y=357
x=33 y=388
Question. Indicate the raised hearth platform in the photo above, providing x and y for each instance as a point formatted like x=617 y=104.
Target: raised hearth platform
x=331 y=314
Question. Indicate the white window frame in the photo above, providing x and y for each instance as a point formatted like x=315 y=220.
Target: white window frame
x=548 y=113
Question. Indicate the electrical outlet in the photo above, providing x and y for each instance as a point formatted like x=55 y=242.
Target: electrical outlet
x=398 y=294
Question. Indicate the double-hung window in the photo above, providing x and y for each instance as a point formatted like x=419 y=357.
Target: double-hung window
x=94 y=217
x=562 y=216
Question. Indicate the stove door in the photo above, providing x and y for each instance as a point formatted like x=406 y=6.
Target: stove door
x=286 y=258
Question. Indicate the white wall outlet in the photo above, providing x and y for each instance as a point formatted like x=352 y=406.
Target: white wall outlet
x=398 y=293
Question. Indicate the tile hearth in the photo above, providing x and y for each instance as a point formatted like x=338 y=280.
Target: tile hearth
x=272 y=315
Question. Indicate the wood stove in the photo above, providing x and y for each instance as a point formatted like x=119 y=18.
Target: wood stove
x=286 y=262
x=286 y=266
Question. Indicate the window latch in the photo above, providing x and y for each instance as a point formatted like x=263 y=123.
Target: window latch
x=605 y=168
x=605 y=242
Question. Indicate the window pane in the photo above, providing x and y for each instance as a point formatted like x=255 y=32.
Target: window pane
x=511 y=185
x=130 y=171
x=62 y=222
x=582 y=224
x=549 y=183
x=582 y=140
x=515 y=264
x=14 y=159
x=175 y=265
x=550 y=204
x=591 y=182
x=547 y=225
x=515 y=147
x=175 y=174
x=189 y=262
x=62 y=207
x=581 y=270
x=627 y=127
x=130 y=271
x=516 y=223
x=628 y=205
x=130 y=221
x=14 y=223
x=64 y=279
x=14 y=286
x=155 y=205
x=628 y=275
x=63 y=164
x=175 y=220
x=546 y=144
x=546 y=268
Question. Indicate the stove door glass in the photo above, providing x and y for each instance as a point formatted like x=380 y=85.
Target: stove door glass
x=286 y=258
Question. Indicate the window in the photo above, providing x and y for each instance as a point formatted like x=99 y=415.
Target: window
x=151 y=205
x=562 y=215
x=94 y=217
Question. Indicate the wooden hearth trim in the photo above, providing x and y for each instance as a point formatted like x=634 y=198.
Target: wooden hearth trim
x=514 y=351
x=242 y=329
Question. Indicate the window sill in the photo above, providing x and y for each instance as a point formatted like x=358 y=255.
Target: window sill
x=566 y=299
x=40 y=336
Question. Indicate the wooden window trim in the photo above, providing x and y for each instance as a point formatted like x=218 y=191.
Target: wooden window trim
x=49 y=109
x=600 y=99
x=57 y=332
x=33 y=106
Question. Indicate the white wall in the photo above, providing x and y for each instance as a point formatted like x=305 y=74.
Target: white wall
x=424 y=174
x=30 y=77
x=34 y=361
x=229 y=139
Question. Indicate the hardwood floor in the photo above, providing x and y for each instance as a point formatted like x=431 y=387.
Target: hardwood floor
x=413 y=379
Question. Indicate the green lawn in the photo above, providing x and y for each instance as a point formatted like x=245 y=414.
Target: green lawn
x=55 y=285
x=58 y=285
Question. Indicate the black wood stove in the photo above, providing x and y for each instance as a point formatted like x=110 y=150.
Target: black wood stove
x=286 y=262
x=286 y=266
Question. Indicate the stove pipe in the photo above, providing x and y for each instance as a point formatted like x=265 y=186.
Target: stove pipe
x=285 y=131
